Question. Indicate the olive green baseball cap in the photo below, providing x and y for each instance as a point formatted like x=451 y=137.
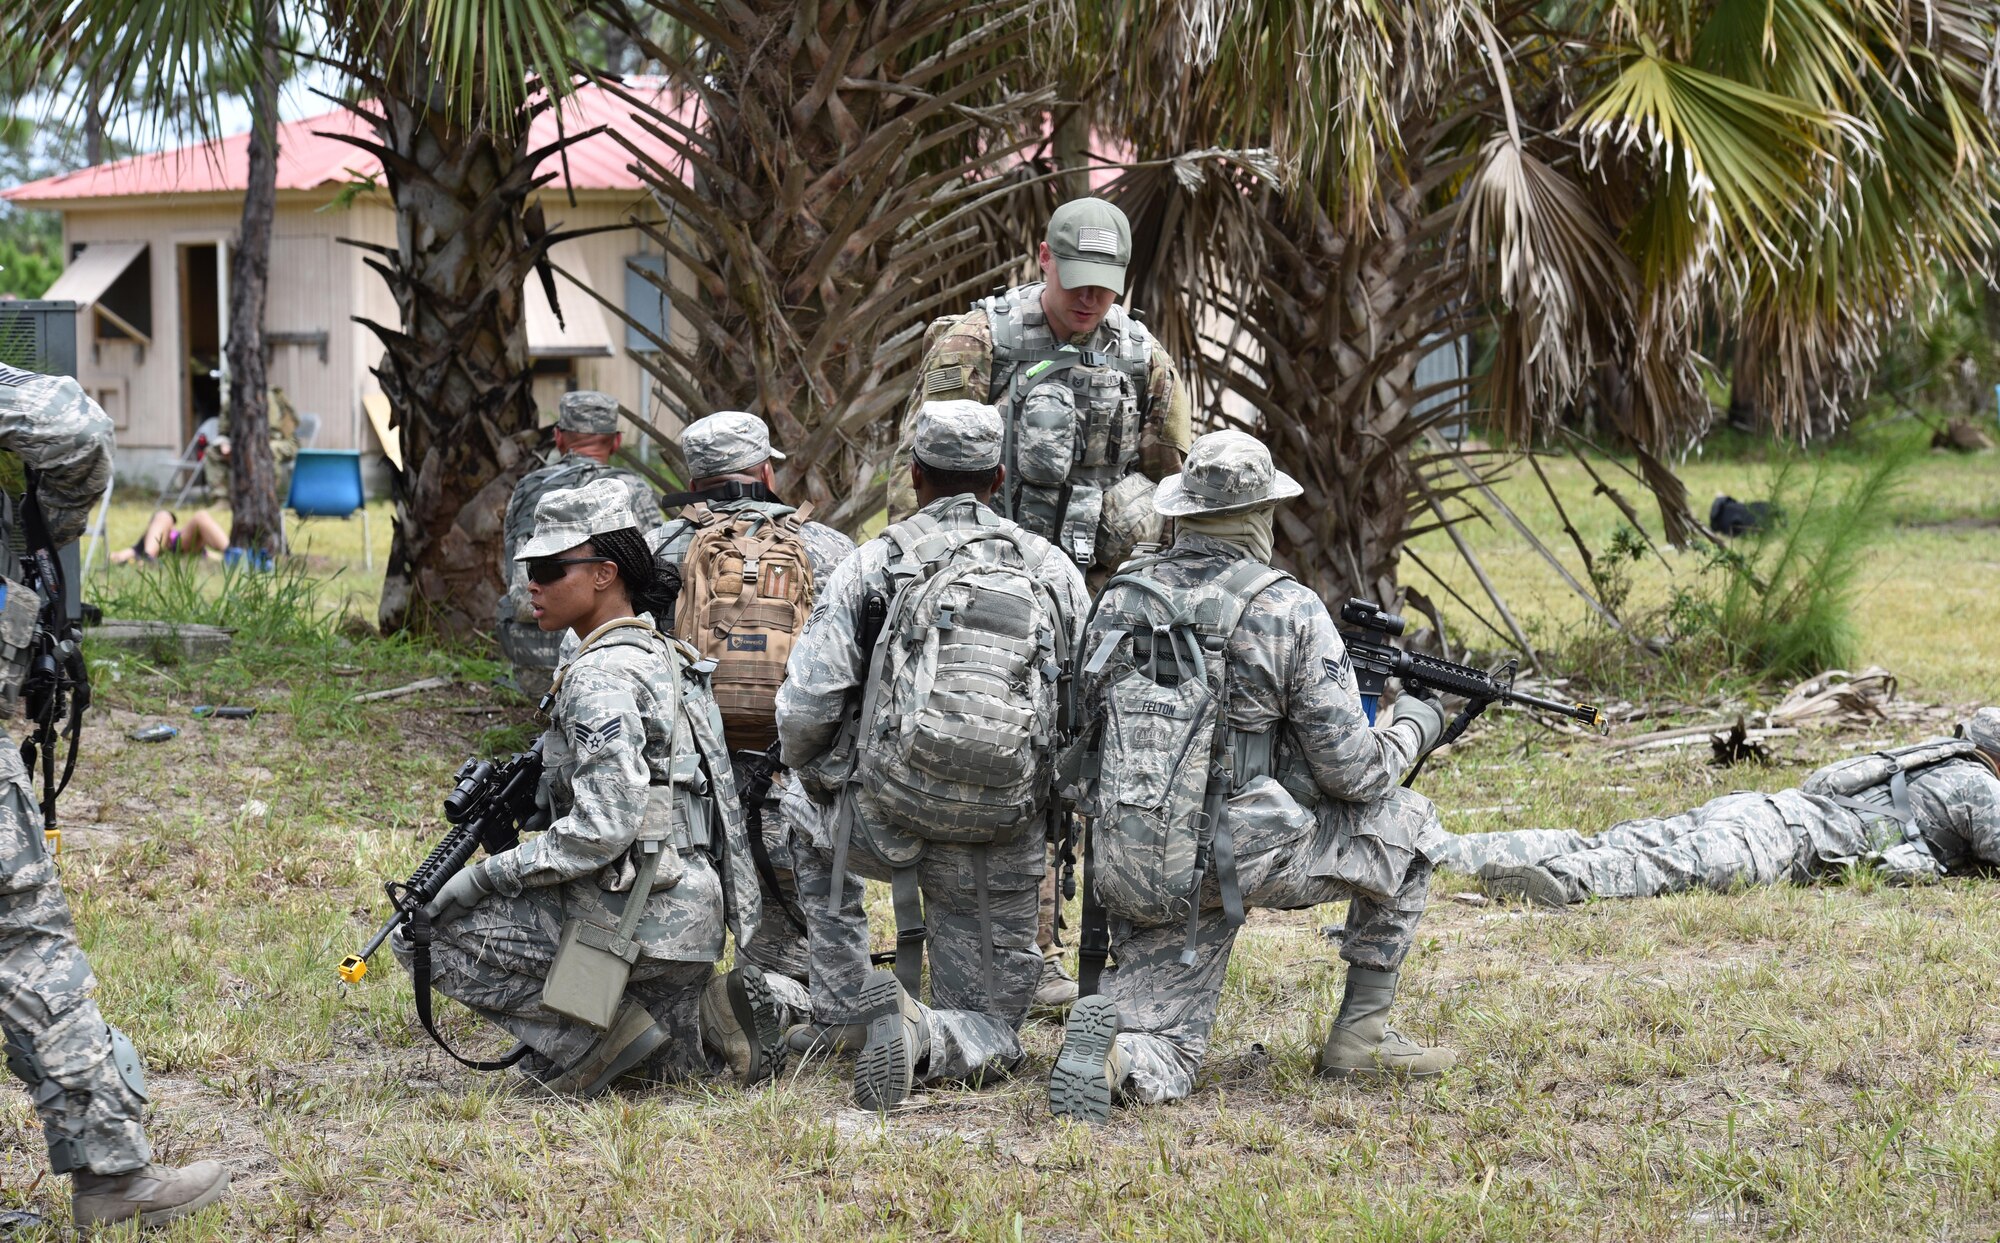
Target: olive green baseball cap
x=1092 y=243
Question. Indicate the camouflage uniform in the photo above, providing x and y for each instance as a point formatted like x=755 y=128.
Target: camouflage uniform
x=969 y=1031
x=84 y=1075
x=633 y=741
x=725 y=443
x=1313 y=808
x=533 y=652
x=1952 y=797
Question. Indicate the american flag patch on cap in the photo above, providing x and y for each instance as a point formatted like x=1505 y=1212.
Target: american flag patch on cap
x=1100 y=241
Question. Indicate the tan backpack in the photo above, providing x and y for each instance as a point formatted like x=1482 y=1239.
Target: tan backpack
x=746 y=591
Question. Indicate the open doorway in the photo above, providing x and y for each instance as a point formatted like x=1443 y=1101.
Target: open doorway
x=201 y=335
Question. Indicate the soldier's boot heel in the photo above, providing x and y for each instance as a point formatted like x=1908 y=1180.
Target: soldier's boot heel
x=754 y=1007
x=817 y=1039
x=154 y=1195
x=1085 y=1076
x=885 y=1071
x=1524 y=882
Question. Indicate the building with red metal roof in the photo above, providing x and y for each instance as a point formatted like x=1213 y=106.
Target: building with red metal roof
x=148 y=238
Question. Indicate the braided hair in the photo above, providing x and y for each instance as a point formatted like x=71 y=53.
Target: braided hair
x=650 y=589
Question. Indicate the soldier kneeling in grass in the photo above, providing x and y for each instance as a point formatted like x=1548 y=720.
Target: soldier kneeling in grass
x=1235 y=769
x=1916 y=813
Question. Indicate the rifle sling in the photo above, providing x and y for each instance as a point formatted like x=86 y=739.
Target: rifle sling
x=760 y=854
x=420 y=979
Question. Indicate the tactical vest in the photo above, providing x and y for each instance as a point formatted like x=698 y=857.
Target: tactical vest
x=1072 y=416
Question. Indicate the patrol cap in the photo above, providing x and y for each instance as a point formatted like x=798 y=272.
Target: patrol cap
x=1225 y=472
x=725 y=442
x=1982 y=729
x=588 y=412
x=1092 y=242
x=570 y=516
x=958 y=435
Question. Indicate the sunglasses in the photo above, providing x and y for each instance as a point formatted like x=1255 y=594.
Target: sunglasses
x=545 y=570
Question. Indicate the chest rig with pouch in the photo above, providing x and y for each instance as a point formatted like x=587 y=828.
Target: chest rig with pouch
x=1071 y=417
x=1157 y=784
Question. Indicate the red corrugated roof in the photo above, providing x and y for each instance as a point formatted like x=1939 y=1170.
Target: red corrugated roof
x=309 y=160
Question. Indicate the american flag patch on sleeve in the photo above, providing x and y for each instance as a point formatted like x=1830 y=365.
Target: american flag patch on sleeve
x=1097 y=241
x=942 y=379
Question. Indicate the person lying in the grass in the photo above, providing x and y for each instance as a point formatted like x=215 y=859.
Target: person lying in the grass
x=202 y=535
x=1916 y=813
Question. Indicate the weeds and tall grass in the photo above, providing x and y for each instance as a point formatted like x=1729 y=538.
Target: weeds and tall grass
x=1780 y=604
x=277 y=606
x=1771 y=607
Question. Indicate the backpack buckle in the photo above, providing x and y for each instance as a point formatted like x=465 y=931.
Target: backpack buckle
x=947 y=618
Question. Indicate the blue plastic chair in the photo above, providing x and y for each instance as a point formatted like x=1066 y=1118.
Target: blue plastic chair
x=326 y=483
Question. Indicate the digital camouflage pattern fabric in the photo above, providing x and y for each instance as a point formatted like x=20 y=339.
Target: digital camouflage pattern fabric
x=626 y=754
x=533 y=652
x=56 y=1040
x=1314 y=811
x=1792 y=836
x=961 y=362
x=725 y=443
x=973 y=1029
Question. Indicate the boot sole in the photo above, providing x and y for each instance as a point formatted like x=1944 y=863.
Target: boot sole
x=883 y=1075
x=1531 y=885
x=1078 y=1087
x=756 y=1012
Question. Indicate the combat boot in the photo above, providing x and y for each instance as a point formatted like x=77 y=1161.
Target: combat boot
x=154 y=1195
x=826 y=1039
x=1089 y=1068
x=632 y=1038
x=1525 y=882
x=739 y=1019
x=1362 y=1045
x=885 y=1071
x=1057 y=988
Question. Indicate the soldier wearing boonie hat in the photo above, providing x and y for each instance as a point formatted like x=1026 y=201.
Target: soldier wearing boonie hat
x=733 y=495
x=1096 y=408
x=626 y=717
x=984 y=965
x=1333 y=781
x=586 y=435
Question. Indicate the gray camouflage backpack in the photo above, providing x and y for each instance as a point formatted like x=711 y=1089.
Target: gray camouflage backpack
x=1162 y=774
x=958 y=721
x=1862 y=782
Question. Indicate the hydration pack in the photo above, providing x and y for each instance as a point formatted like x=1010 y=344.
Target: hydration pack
x=746 y=592
x=1162 y=770
x=959 y=718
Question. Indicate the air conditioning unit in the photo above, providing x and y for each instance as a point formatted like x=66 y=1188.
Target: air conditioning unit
x=39 y=336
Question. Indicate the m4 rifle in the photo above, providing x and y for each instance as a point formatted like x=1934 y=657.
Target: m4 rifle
x=1376 y=660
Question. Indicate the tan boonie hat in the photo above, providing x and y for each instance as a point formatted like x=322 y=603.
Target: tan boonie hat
x=588 y=412
x=726 y=442
x=958 y=435
x=1225 y=472
x=1092 y=243
x=569 y=517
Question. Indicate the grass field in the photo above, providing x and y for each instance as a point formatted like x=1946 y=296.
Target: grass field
x=1775 y=1064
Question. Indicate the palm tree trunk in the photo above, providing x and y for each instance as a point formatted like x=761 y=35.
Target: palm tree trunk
x=255 y=520
x=457 y=371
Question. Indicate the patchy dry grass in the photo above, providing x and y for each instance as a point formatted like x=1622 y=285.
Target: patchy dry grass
x=1783 y=1063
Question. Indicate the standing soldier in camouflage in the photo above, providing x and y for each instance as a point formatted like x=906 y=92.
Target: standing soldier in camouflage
x=1916 y=813
x=1094 y=414
x=632 y=756
x=87 y=1081
x=741 y=532
x=586 y=437
x=919 y=711
x=1279 y=780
